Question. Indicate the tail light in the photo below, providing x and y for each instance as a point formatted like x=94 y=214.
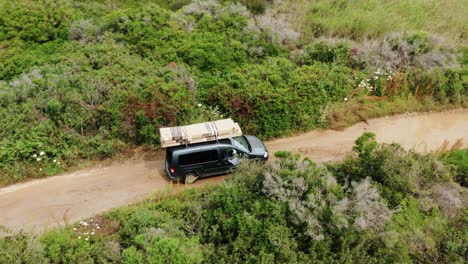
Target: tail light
x=172 y=171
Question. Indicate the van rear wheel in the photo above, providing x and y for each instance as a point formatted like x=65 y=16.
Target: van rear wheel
x=190 y=178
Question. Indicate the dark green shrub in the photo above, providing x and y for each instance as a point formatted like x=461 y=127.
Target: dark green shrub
x=445 y=86
x=246 y=227
x=36 y=21
x=459 y=161
x=419 y=40
x=276 y=98
x=327 y=53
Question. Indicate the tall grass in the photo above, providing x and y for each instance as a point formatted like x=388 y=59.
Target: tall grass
x=361 y=19
x=356 y=110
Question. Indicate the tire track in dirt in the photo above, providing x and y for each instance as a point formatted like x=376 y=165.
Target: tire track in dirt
x=42 y=204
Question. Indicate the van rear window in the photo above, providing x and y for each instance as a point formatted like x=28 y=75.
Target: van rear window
x=198 y=157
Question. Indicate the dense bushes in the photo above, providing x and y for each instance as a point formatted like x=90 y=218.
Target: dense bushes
x=35 y=21
x=289 y=211
x=276 y=98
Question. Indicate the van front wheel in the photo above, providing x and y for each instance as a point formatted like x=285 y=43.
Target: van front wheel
x=190 y=178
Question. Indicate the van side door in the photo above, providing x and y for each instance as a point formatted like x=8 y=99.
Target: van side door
x=203 y=163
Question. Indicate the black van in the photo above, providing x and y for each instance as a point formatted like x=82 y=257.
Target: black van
x=193 y=161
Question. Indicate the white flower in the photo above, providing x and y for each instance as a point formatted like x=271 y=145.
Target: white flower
x=98 y=227
x=42 y=153
x=40 y=169
x=38 y=159
x=35 y=156
x=87 y=238
x=54 y=161
x=74 y=228
x=92 y=233
x=58 y=162
x=346 y=99
x=199 y=105
x=79 y=237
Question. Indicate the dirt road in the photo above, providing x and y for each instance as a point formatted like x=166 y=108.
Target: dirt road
x=42 y=204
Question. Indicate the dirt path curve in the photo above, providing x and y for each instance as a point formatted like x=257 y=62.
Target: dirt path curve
x=42 y=204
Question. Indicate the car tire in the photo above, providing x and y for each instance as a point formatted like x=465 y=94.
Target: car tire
x=190 y=178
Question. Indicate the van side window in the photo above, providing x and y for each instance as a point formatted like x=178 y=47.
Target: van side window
x=198 y=157
x=229 y=153
x=232 y=156
x=169 y=154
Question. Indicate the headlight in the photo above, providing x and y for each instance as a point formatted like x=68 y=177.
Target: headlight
x=265 y=155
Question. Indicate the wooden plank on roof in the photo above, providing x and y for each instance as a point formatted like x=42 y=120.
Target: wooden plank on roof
x=200 y=132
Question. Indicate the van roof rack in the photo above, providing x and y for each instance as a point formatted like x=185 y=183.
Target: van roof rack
x=200 y=132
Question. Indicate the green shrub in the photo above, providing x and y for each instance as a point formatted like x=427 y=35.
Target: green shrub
x=454 y=246
x=459 y=161
x=413 y=235
x=36 y=21
x=22 y=248
x=244 y=226
x=159 y=249
x=399 y=173
x=276 y=98
x=324 y=52
x=62 y=247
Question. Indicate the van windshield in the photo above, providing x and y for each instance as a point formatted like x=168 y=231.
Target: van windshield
x=243 y=142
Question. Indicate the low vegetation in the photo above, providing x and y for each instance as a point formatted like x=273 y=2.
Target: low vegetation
x=458 y=160
x=382 y=204
x=364 y=19
x=84 y=80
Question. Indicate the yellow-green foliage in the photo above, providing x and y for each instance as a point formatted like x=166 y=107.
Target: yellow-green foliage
x=364 y=18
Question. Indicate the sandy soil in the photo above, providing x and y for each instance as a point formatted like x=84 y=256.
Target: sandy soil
x=42 y=204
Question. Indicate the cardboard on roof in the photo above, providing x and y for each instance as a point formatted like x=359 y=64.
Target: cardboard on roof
x=201 y=132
